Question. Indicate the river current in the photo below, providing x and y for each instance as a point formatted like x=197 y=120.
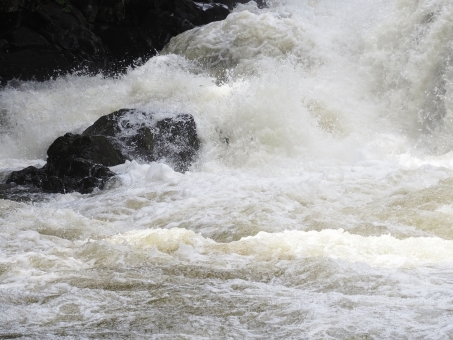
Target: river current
x=320 y=207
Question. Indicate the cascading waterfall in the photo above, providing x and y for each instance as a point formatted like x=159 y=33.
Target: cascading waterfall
x=320 y=206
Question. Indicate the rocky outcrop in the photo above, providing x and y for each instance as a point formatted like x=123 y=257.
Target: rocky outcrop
x=40 y=39
x=79 y=162
x=46 y=40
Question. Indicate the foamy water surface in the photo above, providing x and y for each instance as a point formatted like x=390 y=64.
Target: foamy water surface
x=320 y=206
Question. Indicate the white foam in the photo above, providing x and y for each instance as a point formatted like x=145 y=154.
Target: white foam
x=382 y=251
x=320 y=205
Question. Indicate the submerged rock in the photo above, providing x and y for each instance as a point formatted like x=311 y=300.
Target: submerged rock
x=79 y=162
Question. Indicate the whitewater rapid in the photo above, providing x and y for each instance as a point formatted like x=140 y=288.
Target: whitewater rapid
x=320 y=206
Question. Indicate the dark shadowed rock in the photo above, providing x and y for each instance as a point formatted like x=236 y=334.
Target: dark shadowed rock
x=140 y=136
x=40 y=39
x=99 y=149
x=74 y=163
x=176 y=141
x=46 y=41
x=79 y=162
x=216 y=12
x=29 y=175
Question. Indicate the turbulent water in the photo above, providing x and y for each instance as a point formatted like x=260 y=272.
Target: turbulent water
x=320 y=207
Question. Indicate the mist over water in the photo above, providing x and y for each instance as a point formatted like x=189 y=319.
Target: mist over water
x=320 y=206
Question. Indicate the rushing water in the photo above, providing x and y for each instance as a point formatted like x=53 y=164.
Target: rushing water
x=321 y=206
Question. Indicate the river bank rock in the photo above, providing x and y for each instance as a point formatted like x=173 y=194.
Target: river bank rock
x=79 y=162
x=40 y=39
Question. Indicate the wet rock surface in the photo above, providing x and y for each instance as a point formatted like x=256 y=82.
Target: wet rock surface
x=79 y=162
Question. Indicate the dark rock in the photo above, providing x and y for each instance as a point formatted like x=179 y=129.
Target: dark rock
x=176 y=141
x=89 y=8
x=80 y=162
x=141 y=137
x=32 y=64
x=9 y=6
x=25 y=37
x=64 y=150
x=216 y=12
x=124 y=46
x=4 y=45
x=75 y=163
x=40 y=39
x=26 y=176
x=47 y=42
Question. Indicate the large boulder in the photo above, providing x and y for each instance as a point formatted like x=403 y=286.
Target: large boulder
x=139 y=135
x=79 y=162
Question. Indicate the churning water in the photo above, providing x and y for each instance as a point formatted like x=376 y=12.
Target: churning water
x=321 y=205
